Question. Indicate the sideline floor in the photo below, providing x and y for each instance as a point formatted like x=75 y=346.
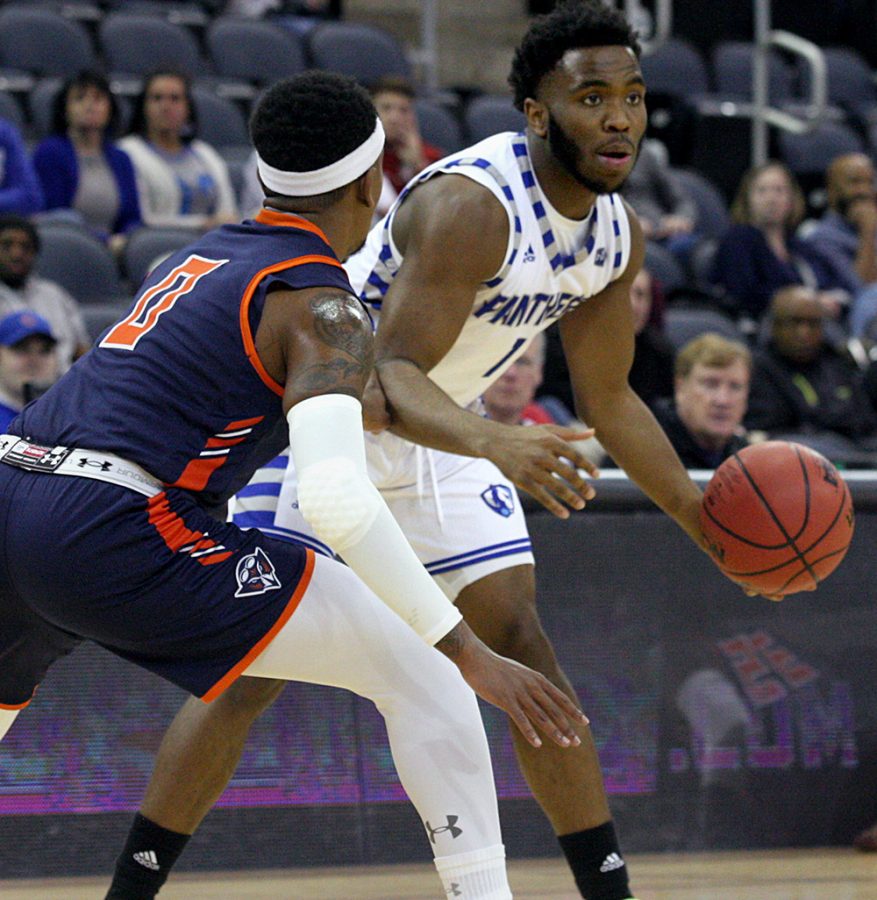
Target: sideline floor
x=820 y=874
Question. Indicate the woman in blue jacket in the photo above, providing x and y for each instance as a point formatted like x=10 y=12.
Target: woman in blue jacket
x=80 y=167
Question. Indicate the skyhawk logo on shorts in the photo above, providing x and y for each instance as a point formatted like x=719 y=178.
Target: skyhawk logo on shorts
x=256 y=575
x=500 y=499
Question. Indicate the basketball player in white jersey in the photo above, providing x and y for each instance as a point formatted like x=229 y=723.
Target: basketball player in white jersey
x=481 y=251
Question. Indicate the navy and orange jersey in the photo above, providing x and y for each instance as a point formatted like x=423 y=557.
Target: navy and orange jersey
x=177 y=386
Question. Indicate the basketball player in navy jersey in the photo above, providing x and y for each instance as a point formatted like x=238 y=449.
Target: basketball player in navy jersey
x=482 y=250
x=245 y=341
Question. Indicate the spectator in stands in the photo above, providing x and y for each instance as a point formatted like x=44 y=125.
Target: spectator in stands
x=405 y=153
x=512 y=399
x=28 y=361
x=847 y=232
x=666 y=212
x=182 y=181
x=79 y=166
x=651 y=374
x=760 y=253
x=20 y=290
x=704 y=421
x=20 y=190
x=806 y=390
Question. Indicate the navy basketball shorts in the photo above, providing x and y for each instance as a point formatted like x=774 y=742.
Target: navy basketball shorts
x=155 y=580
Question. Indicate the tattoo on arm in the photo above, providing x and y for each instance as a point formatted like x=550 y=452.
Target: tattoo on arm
x=340 y=322
x=343 y=333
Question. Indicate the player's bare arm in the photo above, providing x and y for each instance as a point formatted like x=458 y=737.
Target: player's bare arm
x=319 y=342
x=316 y=341
x=454 y=236
x=598 y=343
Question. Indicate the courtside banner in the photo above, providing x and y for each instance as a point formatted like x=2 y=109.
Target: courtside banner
x=722 y=721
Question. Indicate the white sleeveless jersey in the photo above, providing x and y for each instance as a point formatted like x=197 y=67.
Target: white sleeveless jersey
x=552 y=264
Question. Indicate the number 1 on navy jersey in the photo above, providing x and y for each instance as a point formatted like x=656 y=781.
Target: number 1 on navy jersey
x=157 y=300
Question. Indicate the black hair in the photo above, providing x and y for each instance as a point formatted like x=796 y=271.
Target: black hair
x=87 y=78
x=576 y=23
x=13 y=222
x=138 y=113
x=311 y=120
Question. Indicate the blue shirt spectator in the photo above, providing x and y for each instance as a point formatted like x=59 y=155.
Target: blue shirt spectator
x=20 y=190
x=80 y=167
x=761 y=254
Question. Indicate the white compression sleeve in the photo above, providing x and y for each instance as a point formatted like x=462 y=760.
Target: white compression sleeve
x=347 y=512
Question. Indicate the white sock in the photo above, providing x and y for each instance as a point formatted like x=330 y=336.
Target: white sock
x=7 y=717
x=477 y=875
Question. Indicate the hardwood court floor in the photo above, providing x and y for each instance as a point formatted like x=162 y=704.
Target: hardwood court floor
x=824 y=874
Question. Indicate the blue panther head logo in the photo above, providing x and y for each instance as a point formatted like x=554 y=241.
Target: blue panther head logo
x=500 y=499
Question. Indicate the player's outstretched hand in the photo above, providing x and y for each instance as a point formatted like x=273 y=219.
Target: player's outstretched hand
x=540 y=460
x=531 y=700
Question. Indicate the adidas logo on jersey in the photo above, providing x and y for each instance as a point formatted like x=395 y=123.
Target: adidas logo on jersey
x=600 y=257
x=147 y=859
x=530 y=256
x=612 y=862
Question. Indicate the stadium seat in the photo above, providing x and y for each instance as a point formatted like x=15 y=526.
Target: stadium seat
x=254 y=50
x=713 y=218
x=684 y=323
x=79 y=262
x=665 y=267
x=676 y=68
x=439 y=126
x=733 y=62
x=490 y=114
x=146 y=245
x=11 y=110
x=220 y=120
x=138 y=45
x=360 y=51
x=850 y=82
x=41 y=42
x=809 y=154
x=99 y=316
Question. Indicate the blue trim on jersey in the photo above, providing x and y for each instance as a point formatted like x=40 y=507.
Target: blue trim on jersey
x=557 y=259
x=297 y=537
x=385 y=269
x=437 y=568
x=264 y=521
x=261 y=489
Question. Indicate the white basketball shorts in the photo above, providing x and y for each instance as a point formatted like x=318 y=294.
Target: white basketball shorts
x=461 y=515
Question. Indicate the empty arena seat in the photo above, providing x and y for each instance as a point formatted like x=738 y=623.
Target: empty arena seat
x=140 y=44
x=254 y=50
x=41 y=42
x=79 y=262
x=361 y=51
x=490 y=114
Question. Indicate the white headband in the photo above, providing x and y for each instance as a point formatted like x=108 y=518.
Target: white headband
x=321 y=181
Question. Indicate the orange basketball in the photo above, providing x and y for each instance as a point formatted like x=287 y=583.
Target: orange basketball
x=778 y=517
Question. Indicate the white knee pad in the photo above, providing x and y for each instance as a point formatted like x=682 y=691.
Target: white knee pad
x=339 y=501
